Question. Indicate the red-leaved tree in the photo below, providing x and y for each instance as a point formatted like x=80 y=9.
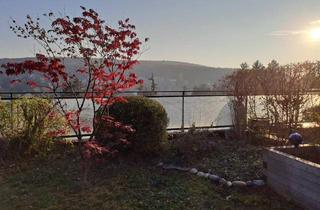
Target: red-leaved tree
x=107 y=54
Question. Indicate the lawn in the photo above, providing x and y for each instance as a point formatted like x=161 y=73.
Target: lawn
x=136 y=184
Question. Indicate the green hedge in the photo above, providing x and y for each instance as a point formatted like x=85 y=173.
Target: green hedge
x=148 y=117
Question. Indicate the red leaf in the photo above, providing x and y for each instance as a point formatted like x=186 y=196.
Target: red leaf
x=86 y=129
x=81 y=71
x=32 y=84
x=15 y=81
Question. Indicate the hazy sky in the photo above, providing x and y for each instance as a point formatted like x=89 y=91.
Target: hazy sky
x=209 y=32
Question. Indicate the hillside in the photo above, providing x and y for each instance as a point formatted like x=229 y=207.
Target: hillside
x=168 y=75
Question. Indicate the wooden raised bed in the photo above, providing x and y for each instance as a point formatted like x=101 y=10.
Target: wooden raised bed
x=294 y=173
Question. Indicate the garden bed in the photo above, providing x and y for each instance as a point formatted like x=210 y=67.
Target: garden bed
x=133 y=183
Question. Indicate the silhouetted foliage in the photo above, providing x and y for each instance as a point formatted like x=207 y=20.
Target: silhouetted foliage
x=276 y=93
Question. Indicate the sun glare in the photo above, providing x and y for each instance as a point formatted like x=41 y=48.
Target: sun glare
x=315 y=34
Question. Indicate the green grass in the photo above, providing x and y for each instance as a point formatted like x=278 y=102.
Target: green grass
x=55 y=184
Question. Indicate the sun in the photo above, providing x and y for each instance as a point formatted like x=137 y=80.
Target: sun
x=315 y=34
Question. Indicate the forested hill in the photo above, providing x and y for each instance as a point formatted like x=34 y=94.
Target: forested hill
x=168 y=75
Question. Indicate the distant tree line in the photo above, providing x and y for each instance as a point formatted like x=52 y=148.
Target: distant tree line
x=280 y=92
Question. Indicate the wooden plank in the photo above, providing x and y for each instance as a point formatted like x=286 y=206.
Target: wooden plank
x=293 y=178
x=313 y=167
x=300 y=196
x=289 y=171
x=289 y=180
x=278 y=157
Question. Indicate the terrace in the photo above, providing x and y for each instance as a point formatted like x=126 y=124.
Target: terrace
x=83 y=125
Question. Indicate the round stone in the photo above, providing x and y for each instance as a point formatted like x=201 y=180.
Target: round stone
x=160 y=164
x=258 y=182
x=182 y=168
x=229 y=184
x=201 y=174
x=214 y=177
x=206 y=175
x=239 y=184
x=193 y=171
x=249 y=183
x=223 y=181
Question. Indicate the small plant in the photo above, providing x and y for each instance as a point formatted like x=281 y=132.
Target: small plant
x=193 y=128
x=194 y=145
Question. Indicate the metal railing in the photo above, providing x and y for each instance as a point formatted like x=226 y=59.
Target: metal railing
x=10 y=96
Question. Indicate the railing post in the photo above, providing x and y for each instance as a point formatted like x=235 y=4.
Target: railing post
x=182 y=112
x=11 y=110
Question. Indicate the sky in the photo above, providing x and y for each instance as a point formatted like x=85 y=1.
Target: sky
x=219 y=33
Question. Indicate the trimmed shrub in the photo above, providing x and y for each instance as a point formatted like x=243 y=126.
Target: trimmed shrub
x=147 y=117
x=30 y=128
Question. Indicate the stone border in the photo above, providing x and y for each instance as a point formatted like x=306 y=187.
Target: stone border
x=213 y=177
